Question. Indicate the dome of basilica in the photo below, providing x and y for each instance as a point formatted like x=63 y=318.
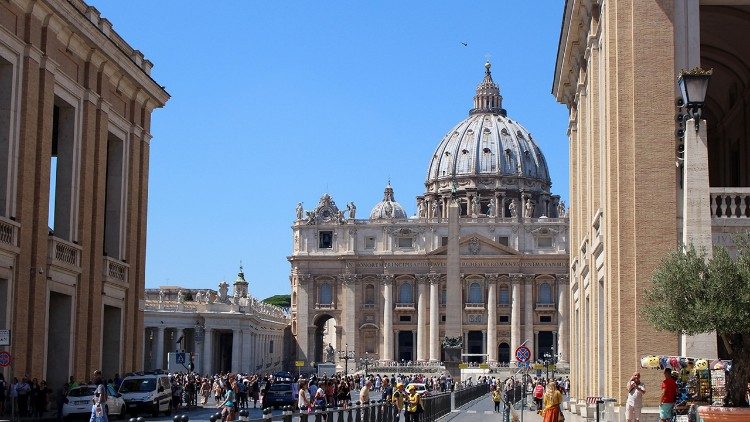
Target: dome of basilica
x=388 y=208
x=487 y=150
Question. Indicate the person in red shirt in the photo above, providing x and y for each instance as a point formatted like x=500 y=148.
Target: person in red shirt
x=668 y=396
x=538 y=396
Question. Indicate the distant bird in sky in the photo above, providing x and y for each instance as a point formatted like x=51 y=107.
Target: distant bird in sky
x=464 y=44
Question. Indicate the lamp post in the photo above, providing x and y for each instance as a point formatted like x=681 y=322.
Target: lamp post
x=346 y=355
x=693 y=85
x=366 y=361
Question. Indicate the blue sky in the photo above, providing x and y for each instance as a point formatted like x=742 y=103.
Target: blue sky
x=281 y=101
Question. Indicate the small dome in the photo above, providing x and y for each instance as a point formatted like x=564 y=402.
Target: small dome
x=388 y=208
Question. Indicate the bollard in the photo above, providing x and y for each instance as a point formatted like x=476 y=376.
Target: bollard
x=287 y=414
x=244 y=415
x=140 y=419
x=184 y=418
x=177 y=418
x=267 y=414
x=132 y=420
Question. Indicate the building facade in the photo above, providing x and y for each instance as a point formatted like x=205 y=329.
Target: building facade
x=483 y=260
x=75 y=118
x=642 y=181
x=224 y=333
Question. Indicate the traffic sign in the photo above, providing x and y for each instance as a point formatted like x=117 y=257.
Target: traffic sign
x=5 y=359
x=4 y=337
x=463 y=365
x=180 y=358
x=523 y=354
x=522 y=364
x=299 y=363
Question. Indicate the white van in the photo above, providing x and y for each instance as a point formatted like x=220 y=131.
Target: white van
x=147 y=393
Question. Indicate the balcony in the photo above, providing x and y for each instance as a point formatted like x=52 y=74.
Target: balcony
x=544 y=306
x=62 y=253
x=115 y=271
x=9 y=233
x=324 y=306
x=368 y=306
x=730 y=204
x=474 y=306
x=404 y=306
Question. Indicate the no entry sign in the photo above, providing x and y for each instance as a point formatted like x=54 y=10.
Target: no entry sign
x=4 y=359
x=523 y=354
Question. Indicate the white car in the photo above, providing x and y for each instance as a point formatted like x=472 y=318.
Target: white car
x=421 y=389
x=81 y=398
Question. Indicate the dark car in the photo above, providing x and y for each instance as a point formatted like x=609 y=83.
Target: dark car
x=280 y=394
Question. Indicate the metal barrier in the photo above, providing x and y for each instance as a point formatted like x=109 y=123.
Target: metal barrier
x=468 y=394
x=436 y=406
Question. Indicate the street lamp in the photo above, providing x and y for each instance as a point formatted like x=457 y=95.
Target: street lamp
x=693 y=87
x=346 y=355
x=366 y=361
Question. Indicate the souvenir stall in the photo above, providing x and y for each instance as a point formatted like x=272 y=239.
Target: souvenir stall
x=699 y=381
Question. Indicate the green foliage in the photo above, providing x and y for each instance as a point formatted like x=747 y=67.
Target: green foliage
x=689 y=295
x=282 y=301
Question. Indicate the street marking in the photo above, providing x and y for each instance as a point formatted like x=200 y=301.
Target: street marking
x=471 y=411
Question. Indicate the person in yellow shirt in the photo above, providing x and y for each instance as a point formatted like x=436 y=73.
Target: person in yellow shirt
x=552 y=400
x=497 y=398
x=398 y=400
x=413 y=405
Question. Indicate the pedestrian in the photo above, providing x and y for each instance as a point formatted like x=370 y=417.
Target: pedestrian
x=364 y=393
x=552 y=400
x=398 y=400
x=229 y=404
x=303 y=400
x=413 y=404
x=3 y=389
x=636 y=389
x=668 y=396
x=98 y=413
x=62 y=398
x=539 y=397
x=497 y=398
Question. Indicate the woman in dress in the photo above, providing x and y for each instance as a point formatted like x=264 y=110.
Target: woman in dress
x=552 y=400
x=636 y=389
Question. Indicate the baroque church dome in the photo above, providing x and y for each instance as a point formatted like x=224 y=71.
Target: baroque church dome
x=388 y=208
x=487 y=150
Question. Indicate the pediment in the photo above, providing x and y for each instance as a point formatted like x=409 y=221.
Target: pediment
x=476 y=244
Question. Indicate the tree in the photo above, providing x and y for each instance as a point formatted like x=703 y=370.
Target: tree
x=282 y=301
x=691 y=295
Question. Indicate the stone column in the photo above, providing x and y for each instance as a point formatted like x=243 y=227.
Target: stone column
x=434 y=318
x=208 y=351
x=454 y=307
x=515 y=315
x=181 y=335
x=696 y=220
x=387 y=353
x=304 y=303
x=491 y=317
x=563 y=316
x=528 y=322
x=236 y=349
x=422 y=317
x=159 y=364
x=350 y=312
x=484 y=345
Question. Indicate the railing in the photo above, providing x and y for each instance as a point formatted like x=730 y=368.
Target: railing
x=369 y=306
x=436 y=406
x=544 y=306
x=405 y=305
x=115 y=270
x=324 y=306
x=9 y=231
x=64 y=252
x=730 y=202
x=474 y=306
x=465 y=395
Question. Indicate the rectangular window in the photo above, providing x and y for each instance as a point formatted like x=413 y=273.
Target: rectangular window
x=61 y=169
x=113 y=197
x=404 y=318
x=370 y=242
x=442 y=318
x=6 y=117
x=464 y=208
x=325 y=239
x=270 y=346
x=544 y=242
x=503 y=240
x=405 y=242
x=504 y=319
x=444 y=241
x=545 y=318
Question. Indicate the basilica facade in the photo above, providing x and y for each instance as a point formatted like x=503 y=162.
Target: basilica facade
x=484 y=261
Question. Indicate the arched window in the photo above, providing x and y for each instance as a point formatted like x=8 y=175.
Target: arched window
x=544 y=294
x=475 y=293
x=504 y=296
x=369 y=294
x=405 y=293
x=326 y=294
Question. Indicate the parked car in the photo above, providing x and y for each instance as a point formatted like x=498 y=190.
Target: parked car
x=81 y=398
x=150 y=393
x=421 y=389
x=280 y=394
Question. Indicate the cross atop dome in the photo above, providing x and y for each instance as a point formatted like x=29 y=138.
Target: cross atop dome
x=488 y=98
